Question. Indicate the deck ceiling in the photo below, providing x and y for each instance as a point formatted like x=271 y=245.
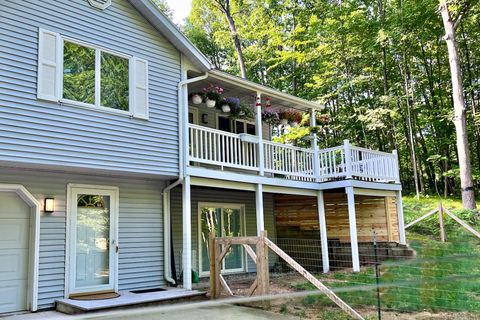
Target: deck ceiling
x=247 y=91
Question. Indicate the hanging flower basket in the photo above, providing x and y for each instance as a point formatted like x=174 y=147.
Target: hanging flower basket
x=226 y=108
x=210 y=103
x=197 y=98
x=270 y=116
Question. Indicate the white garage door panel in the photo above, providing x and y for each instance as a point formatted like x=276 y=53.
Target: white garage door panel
x=14 y=252
x=12 y=233
x=12 y=295
x=14 y=264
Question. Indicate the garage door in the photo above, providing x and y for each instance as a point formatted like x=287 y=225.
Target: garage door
x=14 y=243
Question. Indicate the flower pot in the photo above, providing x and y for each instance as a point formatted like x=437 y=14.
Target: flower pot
x=196 y=99
x=210 y=103
x=226 y=108
x=284 y=122
x=293 y=124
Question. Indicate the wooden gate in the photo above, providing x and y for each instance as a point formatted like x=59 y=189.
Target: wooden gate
x=219 y=247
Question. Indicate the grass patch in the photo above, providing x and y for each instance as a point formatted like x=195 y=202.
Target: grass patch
x=443 y=277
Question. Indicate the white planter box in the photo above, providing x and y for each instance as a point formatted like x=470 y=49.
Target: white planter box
x=245 y=137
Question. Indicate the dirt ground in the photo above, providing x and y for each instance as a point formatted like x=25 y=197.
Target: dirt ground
x=285 y=285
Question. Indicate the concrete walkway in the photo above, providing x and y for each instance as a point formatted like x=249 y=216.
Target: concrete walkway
x=224 y=312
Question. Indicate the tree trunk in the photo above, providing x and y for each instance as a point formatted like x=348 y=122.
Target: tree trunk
x=225 y=8
x=466 y=179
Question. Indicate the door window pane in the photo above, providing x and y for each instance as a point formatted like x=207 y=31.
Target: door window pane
x=78 y=73
x=114 y=82
x=239 y=127
x=92 y=241
x=210 y=221
x=232 y=228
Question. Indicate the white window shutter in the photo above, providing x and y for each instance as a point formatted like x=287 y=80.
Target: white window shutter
x=140 y=88
x=48 y=65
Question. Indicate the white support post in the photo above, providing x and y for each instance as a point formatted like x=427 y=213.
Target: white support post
x=353 y=228
x=259 y=208
x=187 y=235
x=348 y=159
x=323 y=231
x=401 y=222
x=316 y=160
x=259 y=131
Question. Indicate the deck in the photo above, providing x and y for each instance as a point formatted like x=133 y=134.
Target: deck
x=247 y=154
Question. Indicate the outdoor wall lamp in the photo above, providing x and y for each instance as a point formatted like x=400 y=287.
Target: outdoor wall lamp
x=205 y=118
x=49 y=205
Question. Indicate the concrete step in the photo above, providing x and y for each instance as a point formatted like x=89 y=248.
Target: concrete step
x=129 y=299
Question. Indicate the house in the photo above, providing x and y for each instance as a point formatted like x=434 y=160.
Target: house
x=108 y=172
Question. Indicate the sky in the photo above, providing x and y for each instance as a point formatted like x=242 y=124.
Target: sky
x=180 y=8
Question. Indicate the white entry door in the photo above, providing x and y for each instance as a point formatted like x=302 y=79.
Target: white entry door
x=14 y=252
x=93 y=239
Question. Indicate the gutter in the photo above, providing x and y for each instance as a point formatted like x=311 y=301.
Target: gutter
x=183 y=133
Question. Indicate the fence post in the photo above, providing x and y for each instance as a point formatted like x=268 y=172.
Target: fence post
x=262 y=264
x=441 y=222
x=212 y=250
x=377 y=275
x=348 y=159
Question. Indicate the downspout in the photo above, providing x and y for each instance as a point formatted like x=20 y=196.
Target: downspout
x=182 y=114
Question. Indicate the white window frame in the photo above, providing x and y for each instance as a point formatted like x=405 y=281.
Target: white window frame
x=98 y=51
x=221 y=205
x=245 y=122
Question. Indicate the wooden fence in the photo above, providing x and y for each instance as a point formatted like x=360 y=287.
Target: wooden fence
x=219 y=247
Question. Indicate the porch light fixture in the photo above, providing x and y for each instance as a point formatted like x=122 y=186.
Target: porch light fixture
x=49 y=205
x=205 y=118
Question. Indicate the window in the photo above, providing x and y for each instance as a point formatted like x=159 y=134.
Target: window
x=80 y=74
x=242 y=126
x=224 y=124
x=80 y=69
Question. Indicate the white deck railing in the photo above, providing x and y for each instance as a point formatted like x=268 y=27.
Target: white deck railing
x=218 y=148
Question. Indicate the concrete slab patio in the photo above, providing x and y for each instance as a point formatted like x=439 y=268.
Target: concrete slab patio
x=226 y=312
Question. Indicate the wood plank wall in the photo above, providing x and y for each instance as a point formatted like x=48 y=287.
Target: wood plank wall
x=297 y=217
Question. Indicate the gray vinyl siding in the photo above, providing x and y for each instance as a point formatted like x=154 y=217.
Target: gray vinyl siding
x=45 y=133
x=140 y=229
x=246 y=198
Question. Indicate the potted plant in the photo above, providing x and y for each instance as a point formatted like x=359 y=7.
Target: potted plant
x=241 y=111
x=230 y=103
x=283 y=116
x=212 y=95
x=322 y=118
x=196 y=97
x=270 y=117
x=294 y=117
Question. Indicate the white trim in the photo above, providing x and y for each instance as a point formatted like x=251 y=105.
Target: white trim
x=250 y=178
x=34 y=245
x=243 y=224
x=205 y=182
x=187 y=234
x=371 y=192
x=259 y=214
x=113 y=192
x=97 y=94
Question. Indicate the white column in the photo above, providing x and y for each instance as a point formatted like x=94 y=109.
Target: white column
x=259 y=208
x=353 y=228
x=396 y=166
x=348 y=159
x=259 y=131
x=323 y=231
x=316 y=160
x=187 y=235
x=401 y=223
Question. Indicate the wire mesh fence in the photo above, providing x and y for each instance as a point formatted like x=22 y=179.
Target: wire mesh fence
x=427 y=276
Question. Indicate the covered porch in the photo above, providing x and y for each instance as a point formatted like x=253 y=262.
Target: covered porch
x=229 y=141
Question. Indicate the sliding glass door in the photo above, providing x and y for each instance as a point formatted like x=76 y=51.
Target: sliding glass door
x=227 y=220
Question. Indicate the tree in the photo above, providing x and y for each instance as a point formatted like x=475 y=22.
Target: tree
x=466 y=178
x=225 y=7
x=163 y=6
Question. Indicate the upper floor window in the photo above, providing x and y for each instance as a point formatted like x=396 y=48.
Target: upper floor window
x=80 y=70
x=76 y=73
